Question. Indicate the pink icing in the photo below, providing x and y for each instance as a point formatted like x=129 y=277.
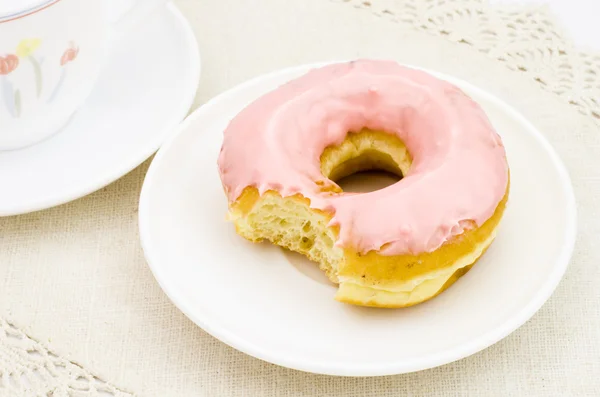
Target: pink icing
x=459 y=172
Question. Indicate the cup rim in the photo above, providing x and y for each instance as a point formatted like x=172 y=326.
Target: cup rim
x=18 y=12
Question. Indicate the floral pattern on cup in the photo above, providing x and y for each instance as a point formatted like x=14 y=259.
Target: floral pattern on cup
x=8 y=64
x=26 y=47
x=25 y=51
x=11 y=97
x=67 y=57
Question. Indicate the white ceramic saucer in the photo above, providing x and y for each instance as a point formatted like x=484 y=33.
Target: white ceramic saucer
x=277 y=306
x=145 y=90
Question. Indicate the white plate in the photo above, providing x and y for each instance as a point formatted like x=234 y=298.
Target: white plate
x=272 y=306
x=146 y=89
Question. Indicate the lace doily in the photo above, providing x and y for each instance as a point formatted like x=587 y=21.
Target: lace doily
x=526 y=39
x=27 y=368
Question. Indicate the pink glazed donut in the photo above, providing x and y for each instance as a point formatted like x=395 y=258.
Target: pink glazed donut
x=393 y=247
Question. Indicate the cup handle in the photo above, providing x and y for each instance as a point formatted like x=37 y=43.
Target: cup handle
x=140 y=10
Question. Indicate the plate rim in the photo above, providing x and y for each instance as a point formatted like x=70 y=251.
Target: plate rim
x=336 y=368
x=54 y=200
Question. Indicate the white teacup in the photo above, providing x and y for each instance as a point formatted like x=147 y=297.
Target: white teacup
x=51 y=52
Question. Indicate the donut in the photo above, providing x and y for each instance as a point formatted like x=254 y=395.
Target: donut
x=393 y=247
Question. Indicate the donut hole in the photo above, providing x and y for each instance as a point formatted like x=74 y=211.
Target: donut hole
x=366 y=161
x=367 y=181
x=368 y=178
